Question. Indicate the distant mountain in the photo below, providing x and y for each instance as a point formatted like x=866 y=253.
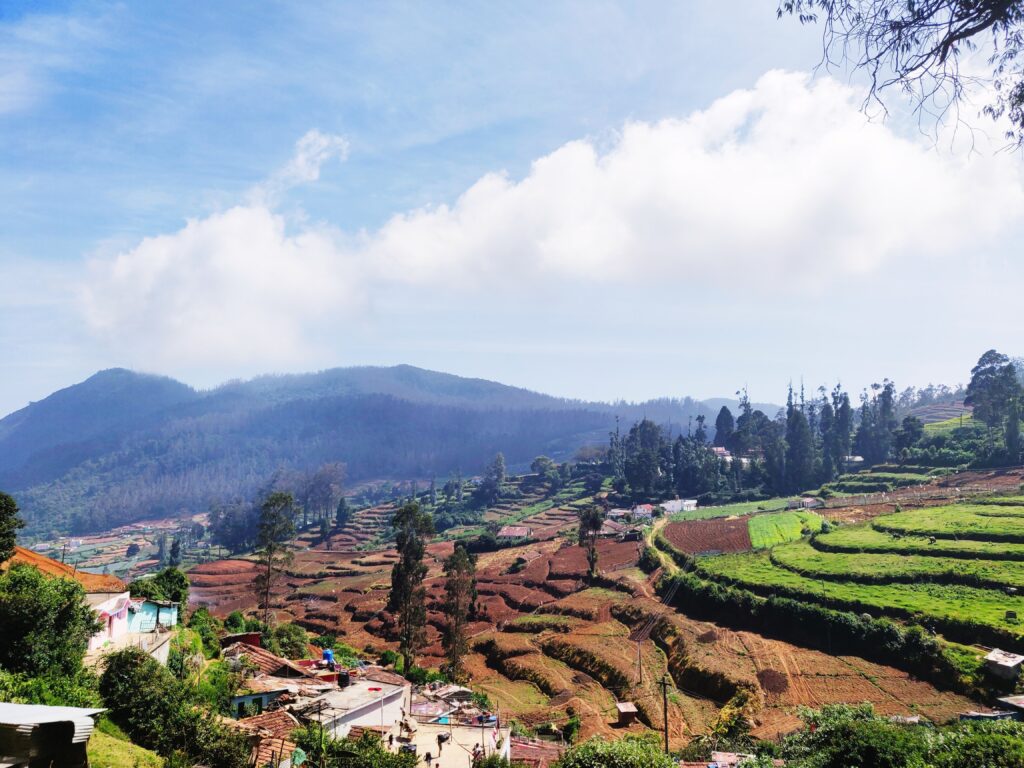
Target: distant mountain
x=121 y=446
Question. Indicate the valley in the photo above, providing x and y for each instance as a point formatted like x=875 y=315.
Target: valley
x=548 y=645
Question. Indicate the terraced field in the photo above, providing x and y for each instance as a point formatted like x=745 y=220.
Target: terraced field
x=864 y=538
x=958 y=521
x=957 y=567
x=879 y=568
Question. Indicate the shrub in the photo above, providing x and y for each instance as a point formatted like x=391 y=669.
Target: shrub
x=235 y=623
x=624 y=753
x=368 y=750
x=156 y=711
x=292 y=641
x=45 y=623
x=170 y=584
x=206 y=625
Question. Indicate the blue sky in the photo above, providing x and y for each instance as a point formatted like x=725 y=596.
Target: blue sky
x=593 y=199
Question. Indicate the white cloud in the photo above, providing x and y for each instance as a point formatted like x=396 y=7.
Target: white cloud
x=311 y=152
x=229 y=288
x=780 y=185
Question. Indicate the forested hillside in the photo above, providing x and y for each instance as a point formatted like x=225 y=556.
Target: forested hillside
x=121 y=446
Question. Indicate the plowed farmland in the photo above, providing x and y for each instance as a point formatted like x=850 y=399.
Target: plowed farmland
x=696 y=537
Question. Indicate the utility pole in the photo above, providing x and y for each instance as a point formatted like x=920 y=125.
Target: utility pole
x=639 y=665
x=664 y=704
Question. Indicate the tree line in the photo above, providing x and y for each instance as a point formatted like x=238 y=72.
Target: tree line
x=815 y=439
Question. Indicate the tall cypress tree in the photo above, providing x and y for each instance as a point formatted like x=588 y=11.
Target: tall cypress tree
x=459 y=606
x=724 y=426
x=407 y=598
x=799 y=448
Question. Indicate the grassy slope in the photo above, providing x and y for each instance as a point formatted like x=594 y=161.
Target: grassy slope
x=942 y=427
x=109 y=747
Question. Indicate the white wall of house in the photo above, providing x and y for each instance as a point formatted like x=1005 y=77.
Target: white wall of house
x=393 y=709
x=115 y=622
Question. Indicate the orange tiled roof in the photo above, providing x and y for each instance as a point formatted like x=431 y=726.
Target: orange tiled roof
x=272 y=733
x=92 y=582
x=267 y=662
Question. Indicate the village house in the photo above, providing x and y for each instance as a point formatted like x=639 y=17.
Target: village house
x=270 y=734
x=510 y=534
x=364 y=702
x=125 y=621
x=806 y=502
x=274 y=680
x=643 y=513
x=678 y=505
x=610 y=530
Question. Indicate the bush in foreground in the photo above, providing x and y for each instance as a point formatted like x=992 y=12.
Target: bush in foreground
x=158 y=713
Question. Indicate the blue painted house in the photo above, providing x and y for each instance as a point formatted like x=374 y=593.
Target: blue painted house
x=146 y=615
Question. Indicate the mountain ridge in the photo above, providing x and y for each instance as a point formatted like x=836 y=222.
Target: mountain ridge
x=123 y=445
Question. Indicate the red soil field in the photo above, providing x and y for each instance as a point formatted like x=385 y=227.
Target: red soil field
x=717 y=535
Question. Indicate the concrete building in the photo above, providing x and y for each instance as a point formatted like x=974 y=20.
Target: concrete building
x=678 y=505
x=452 y=745
x=363 y=702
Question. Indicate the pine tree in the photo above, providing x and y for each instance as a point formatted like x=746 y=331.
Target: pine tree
x=1012 y=433
x=174 y=559
x=276 y=528
x=591 y=520
x=460 y=608
x=407 y=598
x=799 y=448
x=341 y=513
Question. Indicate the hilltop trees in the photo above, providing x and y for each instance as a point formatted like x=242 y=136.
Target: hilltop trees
x=994 y=388
x=489 y=490
x=459 y=607
x=800 y=448
x=407 y=599
x=276 y=528
x=878 y=423
x=10 y=524
x=645 y=448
